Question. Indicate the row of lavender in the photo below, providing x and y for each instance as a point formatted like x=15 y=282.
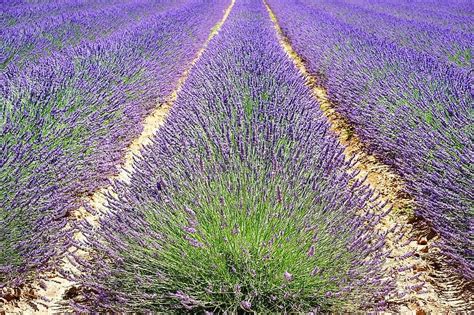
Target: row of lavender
x=455 y=14
x=67 y=117
x=450 y=43
x=24 y=40
x=242 y=201
x=414 y=110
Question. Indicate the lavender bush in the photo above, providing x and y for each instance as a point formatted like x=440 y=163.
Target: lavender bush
x=242 y=201
x=67 y=117
x=412 y=109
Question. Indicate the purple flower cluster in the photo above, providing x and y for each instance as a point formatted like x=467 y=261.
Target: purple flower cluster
x=68 y=114
x=409 y=104
x=242 y=202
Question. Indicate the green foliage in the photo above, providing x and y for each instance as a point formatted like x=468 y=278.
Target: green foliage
x=249 y=240
x=462 y=57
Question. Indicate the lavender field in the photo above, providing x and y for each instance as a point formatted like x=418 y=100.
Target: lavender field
x=236 y=156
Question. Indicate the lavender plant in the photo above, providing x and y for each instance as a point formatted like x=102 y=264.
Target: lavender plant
x=67 y=118
x=411 y=109
x=242 y=202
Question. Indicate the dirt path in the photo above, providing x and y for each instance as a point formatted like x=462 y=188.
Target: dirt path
x=417 y=239
x=57 y=286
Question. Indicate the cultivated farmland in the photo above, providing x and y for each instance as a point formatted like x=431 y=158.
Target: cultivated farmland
x=242 y=156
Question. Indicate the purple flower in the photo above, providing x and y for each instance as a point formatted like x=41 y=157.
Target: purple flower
x=279 y=196
x=235 y=230
x=315 y=271
x=189 y=229
x=194 y=242
x=190 y=212
x=246 y=305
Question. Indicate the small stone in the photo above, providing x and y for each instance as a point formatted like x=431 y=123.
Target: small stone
x=422 y=241
x=419 y=311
